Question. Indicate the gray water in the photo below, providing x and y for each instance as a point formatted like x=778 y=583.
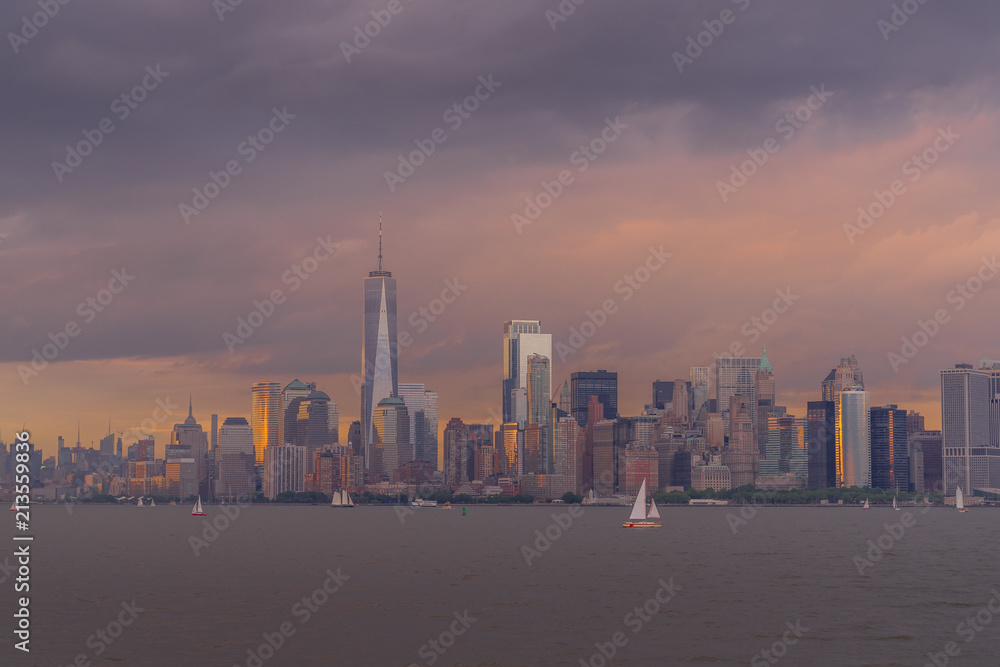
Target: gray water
x=407 y=577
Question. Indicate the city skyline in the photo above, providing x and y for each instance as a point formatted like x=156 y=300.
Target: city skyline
x=300 y=218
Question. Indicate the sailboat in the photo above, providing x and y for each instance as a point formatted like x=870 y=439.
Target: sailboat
x=866 y=507
x=140 y=502
x=197 y=510
x=341 y=499
x=960 y=500
x=894 y=505
x=13 y=506
x=639 y=518
x=152 y=503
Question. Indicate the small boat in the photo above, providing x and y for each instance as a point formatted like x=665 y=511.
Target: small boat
x=640 y=518
x=13 y=506
x=341 y=499
x=960 y=500
x=866 y=506
x=446 y=506
x=894 y=505
x=152 y=503
x=420 y=502
x=197 y=509
x=140 y=502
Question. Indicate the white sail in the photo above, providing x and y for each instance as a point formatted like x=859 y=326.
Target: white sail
x=959 y=499
x=140 y=501
x=866 y=503
x=13 y=506
x=894 y=505
x=336 y=502
x=348 y=501
x=639 y=509
x=152 y=503
x=198 y=511
x=653 y=512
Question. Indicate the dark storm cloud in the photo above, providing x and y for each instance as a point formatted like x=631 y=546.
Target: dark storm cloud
x=324 y=174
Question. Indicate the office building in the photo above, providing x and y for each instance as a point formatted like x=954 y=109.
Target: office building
x=585 y=384
x=521 y=339
x=854 y=462
x=965 y=429
x=379 y=348
x=235 y=459
x=890 y=449
x=390 y=435
x=764 y=401
x=822 y=437
x=284 y=470
x=265 y=417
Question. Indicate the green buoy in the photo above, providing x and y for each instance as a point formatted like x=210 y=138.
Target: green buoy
x=463 y=512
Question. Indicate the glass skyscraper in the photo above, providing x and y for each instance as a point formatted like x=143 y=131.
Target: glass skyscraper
x=380 y=348
x=521 y=339
x=854 y=437
x=265 y=418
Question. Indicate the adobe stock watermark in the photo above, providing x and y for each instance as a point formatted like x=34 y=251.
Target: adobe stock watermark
x=302 y=610
x=363 y=37
x=636 y=620
x=628 y=286
x=31 y=24
x=918 y=165
x=787 y=126
x=967 y=630
x=104 y=637
x=88 y=310
x=543 y=540
x=223 y=7
x=759 y=324
x=295 y=277
x=899 y=17
x=885 y=542
x=696 y=44
x=581 y=158
x=248 y=149
x=779 y=649
x=562 y=12
x=122 y=106
x=455 y=116
x=433 y=649
x=958 y=297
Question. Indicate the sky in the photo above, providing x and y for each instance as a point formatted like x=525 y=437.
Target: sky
x=177 y=162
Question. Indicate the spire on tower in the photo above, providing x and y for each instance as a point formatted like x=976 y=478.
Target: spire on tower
x=380 y=240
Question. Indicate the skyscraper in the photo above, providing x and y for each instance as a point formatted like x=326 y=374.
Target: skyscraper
x=787 y=453
x=191 y=434
x=421 y=405
x=265 y=417
x=965 y=428
x=742 y=456
x=846 y=374
x=663 y=394
x=822 y=435
x=293 y=390
x=539 y=379
x=390 y=436
x=456 y=453
x=380 y=349
x=764 y=401
x=235 y=459
x=602 y=384
x=890 y=449
x=854 y=464
x=735 y=375
x=521 y=339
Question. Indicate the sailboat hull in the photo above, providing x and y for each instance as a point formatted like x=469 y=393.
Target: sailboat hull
x=641 y=524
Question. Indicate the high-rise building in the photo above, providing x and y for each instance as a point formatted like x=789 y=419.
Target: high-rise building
x=604 y=458
x=567 y=452
x=854 y=461
x=700 y=379
x=742 y=456
x=914 y=422
x=763 y=388
x=415 y=396
x=663 y=394
x=846 y=374
x=602 y=384
x=354 y=438
x=929 y=445
x=735 y=375
x=787 y=452
x=456 y=453
x=380 y=348
x=265 y=417
x=235 y=459
x=309 y=416
x=890 y=449
x=822 y=436
x=539 y=380
x=510 y=449
x=565 y=399
x=390 y=436
x=290 y=399
x=638 y=464
x=826 y=387
x=284 y=469
x=521 y=339
x=192 y=436
x=965 y=428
